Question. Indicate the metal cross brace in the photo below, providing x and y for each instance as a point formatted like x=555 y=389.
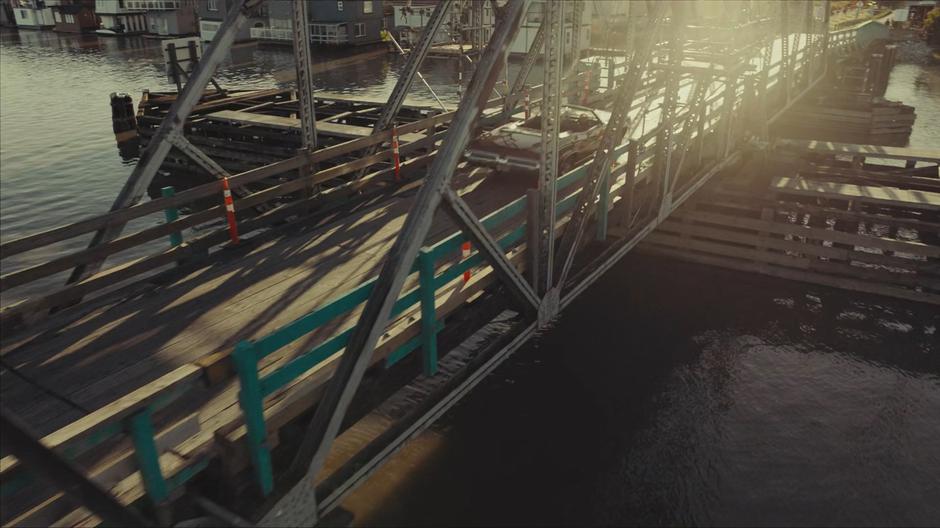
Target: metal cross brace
x=298 y=503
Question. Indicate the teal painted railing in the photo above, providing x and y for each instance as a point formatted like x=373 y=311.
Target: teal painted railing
x=255 y=388
x=138 y=425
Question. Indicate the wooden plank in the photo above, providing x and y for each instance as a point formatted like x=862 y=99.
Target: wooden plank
x=848 y=149
x=914 y=248
x=288 y=123
x=795 y=275
x=81 y=429
x=905 y=198
x=188 y=196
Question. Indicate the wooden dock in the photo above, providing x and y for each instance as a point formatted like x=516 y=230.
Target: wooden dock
x=845 y=219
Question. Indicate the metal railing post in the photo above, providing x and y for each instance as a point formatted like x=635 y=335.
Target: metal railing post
x=428 y=311
x=172 y=214
x=252 y=404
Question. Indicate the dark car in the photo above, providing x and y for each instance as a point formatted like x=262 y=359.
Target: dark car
x=517 y=146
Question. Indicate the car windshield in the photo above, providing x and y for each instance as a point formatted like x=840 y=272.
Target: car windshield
x=572 y=120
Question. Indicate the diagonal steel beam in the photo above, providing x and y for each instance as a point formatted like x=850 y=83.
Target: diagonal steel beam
x=158 y=147
x=460 y=212
x=322 y=430
x=614 y=133
x=408 y=74
x=535 y=51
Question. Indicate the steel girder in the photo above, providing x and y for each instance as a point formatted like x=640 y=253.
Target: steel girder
x=603 y=157
x=159 y=146
x=308 y=116
x=553 y=19
x=298 y=505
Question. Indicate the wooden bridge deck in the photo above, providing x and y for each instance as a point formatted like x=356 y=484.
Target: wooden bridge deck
x=92 y=361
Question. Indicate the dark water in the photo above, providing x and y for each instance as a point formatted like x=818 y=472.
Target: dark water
x=668 y=394
x=676 y=394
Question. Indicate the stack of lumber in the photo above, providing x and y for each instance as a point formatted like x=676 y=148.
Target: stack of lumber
x=873 y=229
x=861 y=119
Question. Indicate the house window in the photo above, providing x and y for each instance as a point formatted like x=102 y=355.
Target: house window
x=339 y=5
x=360 y=30
x=213 y=5
x=367 y=7
x=69 y=19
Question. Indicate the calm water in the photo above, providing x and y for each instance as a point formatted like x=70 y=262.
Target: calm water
x=58 y=156
x=667 y=394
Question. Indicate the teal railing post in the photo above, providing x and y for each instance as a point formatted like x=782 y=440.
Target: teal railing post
x=252 y=404
x=603 y=204
x=172 y=215
x=428 y=311
x=148 y=459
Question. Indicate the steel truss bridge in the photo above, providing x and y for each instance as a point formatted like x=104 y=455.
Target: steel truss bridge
x=701 y=82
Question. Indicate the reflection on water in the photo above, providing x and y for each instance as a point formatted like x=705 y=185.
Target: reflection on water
x=678 y=394
x=667 y=394
x=58 y=155
x=919 y=86
x=671 y=394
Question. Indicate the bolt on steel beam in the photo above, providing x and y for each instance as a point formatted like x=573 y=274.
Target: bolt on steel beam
x=553 y=19
x=308 y=115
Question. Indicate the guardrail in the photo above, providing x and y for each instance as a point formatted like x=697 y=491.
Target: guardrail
x=248 y=353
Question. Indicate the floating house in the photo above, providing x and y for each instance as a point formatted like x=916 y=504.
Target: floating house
x=32 y=14
x=74 y=16
x=117 y=19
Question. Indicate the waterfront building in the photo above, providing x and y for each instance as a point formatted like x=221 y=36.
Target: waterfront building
x=117 y=19
x=167 y=17
x=332 y=22
x=212 y=12
x=7 y=18
x=73 y=16
x=32 y=14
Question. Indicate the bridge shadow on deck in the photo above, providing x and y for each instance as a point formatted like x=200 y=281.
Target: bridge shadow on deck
x=261 y=286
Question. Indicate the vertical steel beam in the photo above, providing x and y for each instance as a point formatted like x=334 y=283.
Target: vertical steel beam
x=476 y=21
x=308 y=115
x=553 y=18
x=158 y=147
x=298 y=504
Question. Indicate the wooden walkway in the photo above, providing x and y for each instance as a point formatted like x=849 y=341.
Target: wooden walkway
x=204 y=313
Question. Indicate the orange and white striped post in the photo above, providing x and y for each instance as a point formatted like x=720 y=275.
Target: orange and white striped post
x=525 y=103
x=587 y=87
x=464 y=254
x=395 y=157
x=230 y=211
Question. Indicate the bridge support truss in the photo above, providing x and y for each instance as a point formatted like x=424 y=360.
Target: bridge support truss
x=705 y=79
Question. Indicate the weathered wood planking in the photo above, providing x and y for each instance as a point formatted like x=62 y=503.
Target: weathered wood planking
x=874 y=151
x=893 y=196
